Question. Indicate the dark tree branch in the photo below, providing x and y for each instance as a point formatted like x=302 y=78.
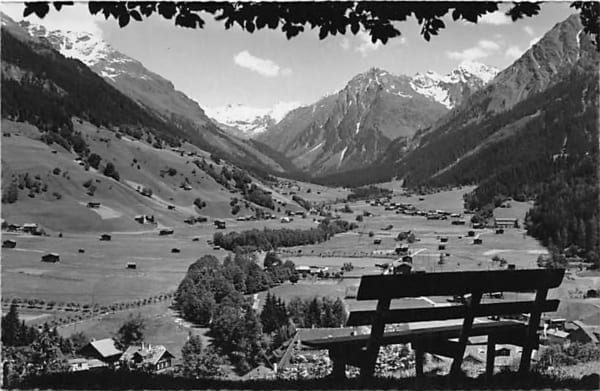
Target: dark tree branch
x=330 y=18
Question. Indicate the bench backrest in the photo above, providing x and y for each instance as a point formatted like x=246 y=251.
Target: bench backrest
x=387 y=287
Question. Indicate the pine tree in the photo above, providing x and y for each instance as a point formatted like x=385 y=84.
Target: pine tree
x=11 y=327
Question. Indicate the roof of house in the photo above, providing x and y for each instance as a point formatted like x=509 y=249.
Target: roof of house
x=590 y=331
x=259 y=372
x=149 y=353
x=106 y=347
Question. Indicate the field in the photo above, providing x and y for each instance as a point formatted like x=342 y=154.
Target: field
x=99 y=275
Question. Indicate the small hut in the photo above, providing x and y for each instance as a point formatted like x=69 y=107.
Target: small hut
x=131 y=265
x=477 y=241
x=9 y=243
x=105 y=237
x=51 y=258
x=175 y=250
x=166 y=231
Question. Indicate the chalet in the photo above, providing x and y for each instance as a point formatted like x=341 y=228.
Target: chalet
x=402 y=249
x=155 y=358
x=93 y=204
x=584 y=333
x=14 y=227
x=102 y=349
x=105 y=237
x=9 y=243
x=220 y=224
x=51 y=258
x=402 y=268
x=506 y=222
x=131 y=265
x=30 y=228
x=166 y=231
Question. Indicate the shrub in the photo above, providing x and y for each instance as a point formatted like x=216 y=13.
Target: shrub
x=199 y=203
x=94 y=160
x=56 y=171
x=111 y=171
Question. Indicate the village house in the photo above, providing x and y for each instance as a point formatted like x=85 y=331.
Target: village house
x=31 y=228
x=506 y=222
x=51 y=258
x=103 y=350
x=155 y=358
x=9 y=243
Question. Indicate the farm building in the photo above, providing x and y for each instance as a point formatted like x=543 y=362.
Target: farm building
x=9 y=243
x=471 y=233
x=105 y=237
x=156 y=358
x=402 y=249
x=30 y=228
x=441 y=246
x=175 y=250
x=14 y=227
x=477 y=241
x=506 y=222
x=131 y=265
x=140 y=219
x=499 y=231
x=102 y=349
x=584 y=333
x=220 y=224
x=377 y=241
x=459 y=222
x=166 y=231
x=93 y=204
x=444 y=239
x=171 y=207
x=51 y=258
x=478 y=225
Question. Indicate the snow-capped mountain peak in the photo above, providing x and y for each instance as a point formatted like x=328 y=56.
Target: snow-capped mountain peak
x=451 y=88
x=249 y=121
x=89 y=49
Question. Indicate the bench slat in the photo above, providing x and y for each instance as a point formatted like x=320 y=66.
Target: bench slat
x=422 y=314
x=376 y=287
x=405 y=336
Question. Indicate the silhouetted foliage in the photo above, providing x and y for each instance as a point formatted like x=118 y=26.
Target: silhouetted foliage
x=376 y=18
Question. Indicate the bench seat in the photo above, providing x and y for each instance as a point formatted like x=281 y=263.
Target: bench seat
x=414 y=335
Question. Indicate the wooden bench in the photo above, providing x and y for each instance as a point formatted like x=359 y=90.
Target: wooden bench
x=448 y=340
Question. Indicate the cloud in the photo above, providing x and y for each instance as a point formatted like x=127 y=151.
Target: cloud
x=366 y=46
x=483 y=49
x=513 y=52
x=259 y=65
x=495 y=18
x=528 y=30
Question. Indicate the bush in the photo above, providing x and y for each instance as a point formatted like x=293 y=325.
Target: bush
x=11 y=194
x=94 y=160
x=56 y=171
x=111 y=172
x=199 y=203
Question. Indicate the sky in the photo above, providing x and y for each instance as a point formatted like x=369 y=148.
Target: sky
x=217 y=67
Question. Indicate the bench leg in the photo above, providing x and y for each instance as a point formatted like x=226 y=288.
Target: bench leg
x=372 y=350
x=339 y=364
x=419 y=360
x=464 y=333
x=490 y=358
x=531 y=336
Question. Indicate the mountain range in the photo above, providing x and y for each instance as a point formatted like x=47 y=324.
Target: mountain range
x=353 y=127
x=153 y=92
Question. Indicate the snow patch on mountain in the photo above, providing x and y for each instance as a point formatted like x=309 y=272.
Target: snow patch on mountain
x=250 y=121
x=437 y=87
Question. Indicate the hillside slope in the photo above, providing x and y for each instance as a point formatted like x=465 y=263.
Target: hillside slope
x=153 y=92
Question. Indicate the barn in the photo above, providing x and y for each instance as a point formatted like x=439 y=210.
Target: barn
x=105 y=237
x=166 y=231
x=131 y=265
x=9 y=244
x=51 y=258
x=506 y=222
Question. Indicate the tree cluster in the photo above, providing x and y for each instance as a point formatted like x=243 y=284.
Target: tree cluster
x=368 y=192
x=269 y=239
x=317 y=312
